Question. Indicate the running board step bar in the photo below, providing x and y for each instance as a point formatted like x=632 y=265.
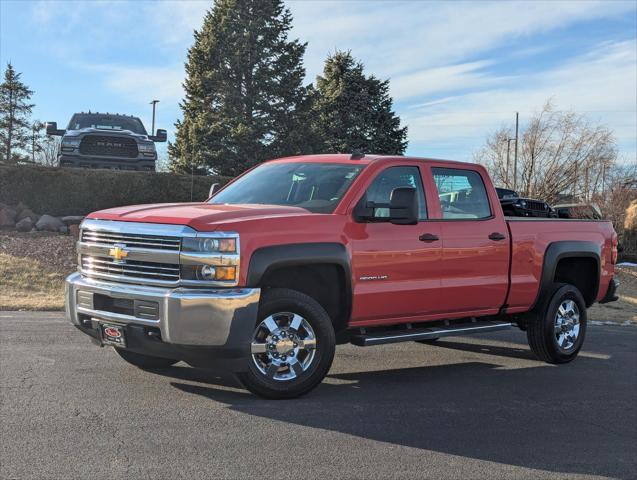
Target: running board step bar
x=412 y=334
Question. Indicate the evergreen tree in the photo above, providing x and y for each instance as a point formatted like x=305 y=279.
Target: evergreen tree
x=353 y=111
x=15 y=127
x=245 y=101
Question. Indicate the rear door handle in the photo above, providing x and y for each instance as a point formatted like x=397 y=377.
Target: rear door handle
x=497 y=236
x=428 y=237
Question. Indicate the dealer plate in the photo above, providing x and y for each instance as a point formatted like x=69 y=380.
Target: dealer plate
x=113 y=334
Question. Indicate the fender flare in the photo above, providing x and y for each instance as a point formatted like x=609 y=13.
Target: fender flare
x=300 y=254
x=557 y=251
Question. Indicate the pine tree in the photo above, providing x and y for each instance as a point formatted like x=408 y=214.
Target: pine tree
x=245 y=101
x=353 y=111
x=15 y=127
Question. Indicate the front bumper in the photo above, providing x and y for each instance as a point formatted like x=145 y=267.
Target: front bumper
x=188 y=324
x=115 y=163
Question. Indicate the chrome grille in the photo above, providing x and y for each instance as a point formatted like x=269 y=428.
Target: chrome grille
x=131 y=240
x=135 y=270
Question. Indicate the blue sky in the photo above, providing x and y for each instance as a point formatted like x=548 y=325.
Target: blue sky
x=458 y=70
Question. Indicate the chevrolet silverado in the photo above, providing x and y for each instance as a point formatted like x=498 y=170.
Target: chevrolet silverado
x=300 y=254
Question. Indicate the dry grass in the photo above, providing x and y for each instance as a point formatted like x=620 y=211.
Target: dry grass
x=623 y=310
x=29 y=285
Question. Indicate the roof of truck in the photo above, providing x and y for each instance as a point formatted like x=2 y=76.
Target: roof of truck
x=364 y=160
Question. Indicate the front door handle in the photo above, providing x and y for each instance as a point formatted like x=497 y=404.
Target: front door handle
x=428 y=237
x=497 y=236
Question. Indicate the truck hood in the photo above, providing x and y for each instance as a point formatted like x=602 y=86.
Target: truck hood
x=104 y=131
x=200 y=216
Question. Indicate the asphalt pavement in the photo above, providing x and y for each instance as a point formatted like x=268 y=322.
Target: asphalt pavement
x=469 y=407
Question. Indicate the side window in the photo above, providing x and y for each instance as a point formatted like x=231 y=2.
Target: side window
x=462 y=193
x=379 y=192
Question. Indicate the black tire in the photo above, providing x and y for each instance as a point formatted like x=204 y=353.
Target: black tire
x=279 y=300
x=145 y=362
x=541 y=331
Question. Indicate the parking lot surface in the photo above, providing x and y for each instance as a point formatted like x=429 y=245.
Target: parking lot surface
x=468 y=407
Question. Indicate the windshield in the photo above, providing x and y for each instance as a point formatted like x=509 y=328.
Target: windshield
x=317 y=187
x=108 y=122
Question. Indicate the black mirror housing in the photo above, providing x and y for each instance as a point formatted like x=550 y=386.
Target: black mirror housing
x=403 y=206
x=52 y=129
x=161 y=136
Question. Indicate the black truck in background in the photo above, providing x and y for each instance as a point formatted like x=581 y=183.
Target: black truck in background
x=105 y=140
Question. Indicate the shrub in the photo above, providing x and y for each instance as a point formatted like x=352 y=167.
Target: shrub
x=62 y=191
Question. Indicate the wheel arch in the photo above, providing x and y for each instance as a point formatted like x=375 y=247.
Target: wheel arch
x=573 y=262
x=320 y=270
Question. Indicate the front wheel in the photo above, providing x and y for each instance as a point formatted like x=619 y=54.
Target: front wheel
x=292 y=347
x=557 y=335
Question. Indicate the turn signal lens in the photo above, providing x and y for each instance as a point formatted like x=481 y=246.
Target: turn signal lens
x=225 y=273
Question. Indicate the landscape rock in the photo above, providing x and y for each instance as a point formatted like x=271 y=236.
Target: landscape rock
x=7 y=216
x=74 y=230
x=27 y=213
x=49 y=223
x=63 y=229
x=73 y=219
x=24 y=225
x=20 y=207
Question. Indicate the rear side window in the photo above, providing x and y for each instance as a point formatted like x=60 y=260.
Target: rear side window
x=379 y=192
x=462 y=194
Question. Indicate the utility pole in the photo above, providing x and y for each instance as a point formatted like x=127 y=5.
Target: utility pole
x=508 y=160
x=515 y=158
x=153 y=103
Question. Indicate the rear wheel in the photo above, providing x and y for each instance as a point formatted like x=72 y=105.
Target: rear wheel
x=292 y=348
x=146 y=362
x=557 y=335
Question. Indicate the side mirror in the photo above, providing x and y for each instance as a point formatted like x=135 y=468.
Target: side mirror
x=213 y=188
x=161 y=136
x=403 y=206
x=52 y=129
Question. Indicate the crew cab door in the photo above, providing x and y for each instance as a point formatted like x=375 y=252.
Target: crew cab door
x=395 y=268
x=475 y=243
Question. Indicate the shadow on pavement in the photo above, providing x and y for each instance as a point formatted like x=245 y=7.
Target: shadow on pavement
x=542 y=417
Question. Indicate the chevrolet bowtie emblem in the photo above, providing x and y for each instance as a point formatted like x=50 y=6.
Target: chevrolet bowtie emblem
x=118 y=253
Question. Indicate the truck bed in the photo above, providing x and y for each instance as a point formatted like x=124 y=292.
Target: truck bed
x=530 y=237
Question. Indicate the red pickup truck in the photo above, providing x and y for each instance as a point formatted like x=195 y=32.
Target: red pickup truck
x=299 y=254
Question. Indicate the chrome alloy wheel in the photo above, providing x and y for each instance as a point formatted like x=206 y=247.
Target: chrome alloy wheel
x=283 y=346
x=567 y=325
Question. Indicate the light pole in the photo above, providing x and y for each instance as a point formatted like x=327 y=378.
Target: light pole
x=153 y=103
x=515 y=161
x=508 y=159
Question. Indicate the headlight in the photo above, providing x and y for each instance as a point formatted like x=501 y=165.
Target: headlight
x=146 y=147
x=209 y=273
x=210 y=258
x=209 y=245
x=70 y=142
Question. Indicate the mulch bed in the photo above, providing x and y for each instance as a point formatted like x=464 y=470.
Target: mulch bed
x=54 y=251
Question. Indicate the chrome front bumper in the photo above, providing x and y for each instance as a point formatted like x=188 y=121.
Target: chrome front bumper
x=184 y=316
